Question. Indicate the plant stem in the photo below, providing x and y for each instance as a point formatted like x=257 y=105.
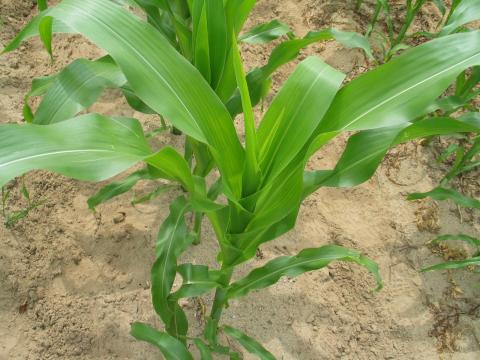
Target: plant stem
x=197 y=227
x=412 y=11
x=162 y=121
x=372 y=24
x=358 y=4
x=220 y=301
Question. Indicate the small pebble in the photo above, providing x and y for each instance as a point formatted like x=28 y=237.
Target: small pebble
x=119 y=218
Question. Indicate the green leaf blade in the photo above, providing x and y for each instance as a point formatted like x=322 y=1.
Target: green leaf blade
x=89 y=148
x=173 y=239
x=306 y=260
x=415 y=80
x=453 y=265
x=265 y=33
x=251 y=345
x=441 y=194
x=76 y=88
x=135 y=45
x=170 y=347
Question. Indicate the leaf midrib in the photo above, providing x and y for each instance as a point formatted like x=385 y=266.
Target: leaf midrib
x=408 y=89
x=274 y=273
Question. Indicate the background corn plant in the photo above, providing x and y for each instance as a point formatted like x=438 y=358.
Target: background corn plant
x=460 y=102
x=262 y=181
x=464 y=154
x=455 y=15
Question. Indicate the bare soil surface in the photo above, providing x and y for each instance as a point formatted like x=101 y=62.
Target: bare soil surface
x=72 y=281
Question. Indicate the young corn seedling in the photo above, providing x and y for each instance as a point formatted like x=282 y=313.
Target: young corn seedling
x=12 y=218
x=471 y=262
x=262 y=182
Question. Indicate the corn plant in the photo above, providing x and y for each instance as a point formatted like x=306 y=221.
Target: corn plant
x=261 y=181
x=460 y=13
x=199 y=31
x=466 y=159
x=460 y=103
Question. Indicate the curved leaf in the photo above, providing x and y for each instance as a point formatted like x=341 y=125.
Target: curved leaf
x=197 y=280
x=306 y=260
x=135 y=45
x=460 y=264
x=170 y=347
x=460 y=237
x=118 y=187
x=90 y=148
x=366 y=149
x=76 y=88
x=205 y=353
x=259 y=79
x=404 y=88
x=251 y=345
x=265 y=33
x=440 y=193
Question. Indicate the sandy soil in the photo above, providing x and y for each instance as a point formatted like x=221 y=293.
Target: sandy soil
x=72 y=280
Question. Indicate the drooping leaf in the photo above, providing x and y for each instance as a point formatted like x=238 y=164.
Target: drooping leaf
x=366 y=149
x=152 y=195
x=76 y=88
x=170 y=347
x=306 y=260
x=265 y=33
x=135 y=102
x=45 y=31
x=459 y=264
x=117 y=188
x=90 y=148
x=135 y=45
x=33 y=29
x=440 y=194
x=460 y=237
x=171 y=165
x=361 y=158
x=289 y=50
x=251 y=345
